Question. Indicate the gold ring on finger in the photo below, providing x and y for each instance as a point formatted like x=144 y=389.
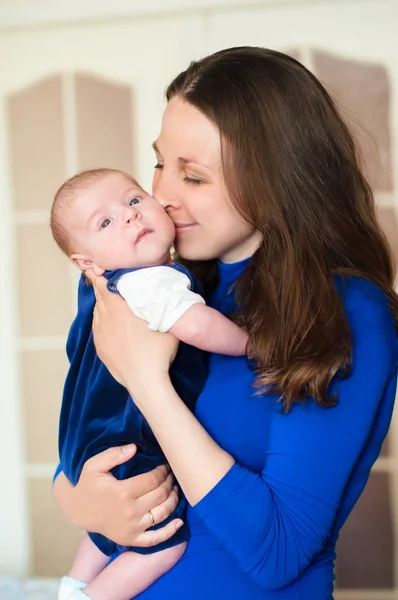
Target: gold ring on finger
x=152 y=518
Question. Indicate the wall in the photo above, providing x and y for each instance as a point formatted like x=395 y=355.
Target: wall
x=77 y=92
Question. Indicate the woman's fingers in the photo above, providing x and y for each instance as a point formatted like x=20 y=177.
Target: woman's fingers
x=138 y=518
x=141 y=485
x=95 y=319
x=164 y=497
x=159 y=514
x=98 y=283
x=106 y=460
x=102 y=295
x=162 y=512
x=153 y=537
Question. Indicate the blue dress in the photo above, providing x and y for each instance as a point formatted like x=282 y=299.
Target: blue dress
x=267 y=530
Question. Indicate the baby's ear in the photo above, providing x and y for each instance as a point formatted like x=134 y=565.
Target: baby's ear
x=82 y=262
x=85 y=264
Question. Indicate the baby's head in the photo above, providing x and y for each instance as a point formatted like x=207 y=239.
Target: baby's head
x=103 y=220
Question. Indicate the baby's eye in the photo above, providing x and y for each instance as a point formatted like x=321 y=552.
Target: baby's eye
x=105 y=223
x=134 y=201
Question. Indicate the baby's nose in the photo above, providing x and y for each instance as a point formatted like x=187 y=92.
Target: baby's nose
x=132 y=215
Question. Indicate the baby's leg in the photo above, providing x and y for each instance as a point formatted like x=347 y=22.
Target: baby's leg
x=88 y=563
x=132 y=573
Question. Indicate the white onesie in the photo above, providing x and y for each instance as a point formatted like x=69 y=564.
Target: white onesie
x=159 y=295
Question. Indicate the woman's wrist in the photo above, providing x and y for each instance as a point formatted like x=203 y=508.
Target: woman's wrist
x=150 y=389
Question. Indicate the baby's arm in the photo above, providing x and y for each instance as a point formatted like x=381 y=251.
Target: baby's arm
x=209 y=330
x=162 y=296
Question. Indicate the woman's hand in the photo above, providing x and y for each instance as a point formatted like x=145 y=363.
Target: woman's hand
x=119 y=509
x=133 y=353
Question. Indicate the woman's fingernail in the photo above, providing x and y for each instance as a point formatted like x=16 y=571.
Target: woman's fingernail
x=175 y=488
x=128 y=449
x=179 y=525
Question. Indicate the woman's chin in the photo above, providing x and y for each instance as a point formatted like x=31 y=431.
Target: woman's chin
x=189 y=252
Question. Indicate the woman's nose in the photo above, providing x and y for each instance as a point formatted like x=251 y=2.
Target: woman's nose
x=163 y=192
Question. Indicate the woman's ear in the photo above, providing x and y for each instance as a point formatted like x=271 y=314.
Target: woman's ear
x=85 y=264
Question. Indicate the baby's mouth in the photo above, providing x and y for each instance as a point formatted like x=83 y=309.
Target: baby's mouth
x=142 y=234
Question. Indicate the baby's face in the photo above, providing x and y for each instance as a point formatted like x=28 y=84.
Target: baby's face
x=115 y=224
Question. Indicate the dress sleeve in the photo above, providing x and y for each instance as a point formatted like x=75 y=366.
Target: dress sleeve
x=275 y=522
x=159 y=295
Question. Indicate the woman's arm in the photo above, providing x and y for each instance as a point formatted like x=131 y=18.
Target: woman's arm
x=119 y=509
x=283 y=516
x=186 y=444
x=273 y=523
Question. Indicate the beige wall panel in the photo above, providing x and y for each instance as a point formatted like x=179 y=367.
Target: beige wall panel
x=104 y=124
x=385 y=449
x=388 y=220
x=365 y=549
x=43 y=373
x=45 y=283
x=294 y=53
x=55 y=541
x=37 y=144
x=362 y=92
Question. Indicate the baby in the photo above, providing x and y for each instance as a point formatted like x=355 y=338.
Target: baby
x=107 y=224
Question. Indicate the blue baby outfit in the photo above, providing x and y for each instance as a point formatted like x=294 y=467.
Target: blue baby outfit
x=98 y=413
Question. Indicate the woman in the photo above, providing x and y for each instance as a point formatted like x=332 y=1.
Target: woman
x=261 y=177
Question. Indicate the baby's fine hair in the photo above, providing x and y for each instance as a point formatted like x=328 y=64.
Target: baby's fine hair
x=63 y=200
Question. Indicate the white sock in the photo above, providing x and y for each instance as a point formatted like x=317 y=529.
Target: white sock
x=68 y=586
x=78 y=594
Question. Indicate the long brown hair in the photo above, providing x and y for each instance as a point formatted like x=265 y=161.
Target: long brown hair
x=292 y=171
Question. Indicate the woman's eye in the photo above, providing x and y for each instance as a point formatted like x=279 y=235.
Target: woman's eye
x=193 y=180
x=134 y=201
x=158 y=166
x=105 y=223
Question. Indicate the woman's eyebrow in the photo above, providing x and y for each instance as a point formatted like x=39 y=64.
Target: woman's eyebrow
x=181 y=159
x=192 y=161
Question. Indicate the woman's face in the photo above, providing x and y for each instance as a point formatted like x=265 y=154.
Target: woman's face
x=189 y=184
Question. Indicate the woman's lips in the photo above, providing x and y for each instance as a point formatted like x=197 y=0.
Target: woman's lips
x=181 y=227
